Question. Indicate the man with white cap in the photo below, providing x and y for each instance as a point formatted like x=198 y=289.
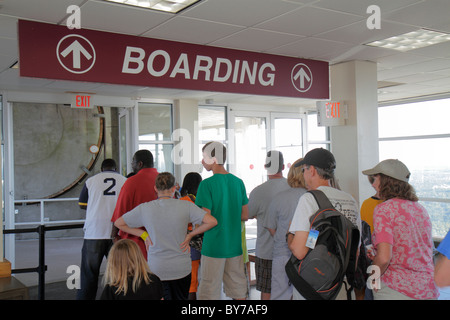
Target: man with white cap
x=318 y=170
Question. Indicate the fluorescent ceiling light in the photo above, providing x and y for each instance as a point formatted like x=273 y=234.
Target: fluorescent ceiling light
x=412 y=40
x=172 y=6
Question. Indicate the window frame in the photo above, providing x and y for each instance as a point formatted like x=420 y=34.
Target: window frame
x=170 y=142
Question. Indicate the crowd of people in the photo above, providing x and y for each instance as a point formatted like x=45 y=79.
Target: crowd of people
x=162 y=242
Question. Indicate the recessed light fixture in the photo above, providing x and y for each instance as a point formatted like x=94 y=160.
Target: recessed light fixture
x=412 y=40
x=172 y=6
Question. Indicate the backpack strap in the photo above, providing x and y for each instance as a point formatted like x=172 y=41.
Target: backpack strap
x=322 y=199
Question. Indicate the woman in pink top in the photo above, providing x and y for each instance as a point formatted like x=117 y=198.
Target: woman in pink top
x=402 y=237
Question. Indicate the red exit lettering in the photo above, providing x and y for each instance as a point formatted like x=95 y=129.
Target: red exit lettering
x=83 y=101
x=333 y=110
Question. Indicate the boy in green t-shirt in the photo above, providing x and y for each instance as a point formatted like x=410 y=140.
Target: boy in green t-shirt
x=223 y=196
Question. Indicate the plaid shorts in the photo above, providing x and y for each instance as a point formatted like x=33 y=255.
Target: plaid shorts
x=263 y=270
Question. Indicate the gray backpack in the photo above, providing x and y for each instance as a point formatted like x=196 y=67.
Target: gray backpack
x=320 y=274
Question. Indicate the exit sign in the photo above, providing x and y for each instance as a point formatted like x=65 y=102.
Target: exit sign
x=331 y=113
x=82 y=101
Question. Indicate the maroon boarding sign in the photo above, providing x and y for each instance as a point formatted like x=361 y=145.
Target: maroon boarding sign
x=56 y=52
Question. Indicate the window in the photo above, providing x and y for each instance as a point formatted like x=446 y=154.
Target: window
x=250 y=133
x=287 y=137
x=318 y=137
x=155 y=133
x=418 y=134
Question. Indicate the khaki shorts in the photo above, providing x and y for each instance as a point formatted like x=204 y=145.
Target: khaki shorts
x=230 y=271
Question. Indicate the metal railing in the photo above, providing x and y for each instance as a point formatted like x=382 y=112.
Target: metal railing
x=44 y=225
x=41 y=268
x=42 y=211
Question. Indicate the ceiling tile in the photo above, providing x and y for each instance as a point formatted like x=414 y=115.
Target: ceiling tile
x=256 y=40
x=311 y=48
x=441 y=82
x=360 y=7
x=239 y=12
x=8 y=26
x=406 y=70
x=358 y=33
x=309 y=21
x=400 y=59
x=112 y=17
x=9 y=47
x=440 y=50
x=192 y=30
x=428 y=14
x=363 y=53
x=418 y=77
x=6 y=61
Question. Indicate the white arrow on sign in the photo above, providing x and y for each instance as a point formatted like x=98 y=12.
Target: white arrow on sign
x=302 y=75
x=76 y=49
x=79 y=45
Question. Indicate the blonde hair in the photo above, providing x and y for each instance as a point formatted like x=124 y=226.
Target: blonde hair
x=295 y=176
x=125 y=260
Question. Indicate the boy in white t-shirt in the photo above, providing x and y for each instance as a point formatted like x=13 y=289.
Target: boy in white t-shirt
x=318 y=169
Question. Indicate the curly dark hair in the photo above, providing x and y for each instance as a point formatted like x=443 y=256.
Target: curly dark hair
x=393 y=188
x=164 y=181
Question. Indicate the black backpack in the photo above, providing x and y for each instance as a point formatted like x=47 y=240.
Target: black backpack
x=320 y=274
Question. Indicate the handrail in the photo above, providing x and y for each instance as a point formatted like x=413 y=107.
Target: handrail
x=42 y=212
x=41 y=268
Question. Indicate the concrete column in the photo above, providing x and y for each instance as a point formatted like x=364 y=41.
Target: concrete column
x=355 y=145
x=186 y=148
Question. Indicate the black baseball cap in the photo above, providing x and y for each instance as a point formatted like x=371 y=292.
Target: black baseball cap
x=320 y=158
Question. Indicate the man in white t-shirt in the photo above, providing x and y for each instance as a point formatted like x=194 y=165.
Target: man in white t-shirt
x=318 y=169
x=98 y=197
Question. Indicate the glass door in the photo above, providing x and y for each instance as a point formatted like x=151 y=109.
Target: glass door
x=155 y=133
x=251 y=140
x=288 y=137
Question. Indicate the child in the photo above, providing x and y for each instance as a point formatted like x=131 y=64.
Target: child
x=188 y=192
x=128 y=276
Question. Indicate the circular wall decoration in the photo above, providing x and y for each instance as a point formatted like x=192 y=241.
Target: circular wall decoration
x=94 y=149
